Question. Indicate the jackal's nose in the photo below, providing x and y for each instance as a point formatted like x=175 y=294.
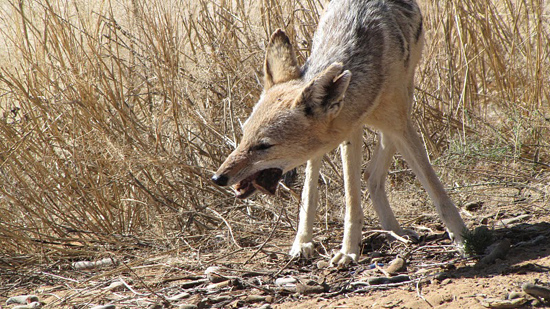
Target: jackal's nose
x=220 y=180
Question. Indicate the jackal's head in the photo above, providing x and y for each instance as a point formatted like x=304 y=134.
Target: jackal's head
x=290 y=124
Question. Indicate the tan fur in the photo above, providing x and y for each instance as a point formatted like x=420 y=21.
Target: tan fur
x=301 y=116
x=280 y=62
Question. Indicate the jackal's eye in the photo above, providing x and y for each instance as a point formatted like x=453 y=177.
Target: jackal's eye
x=261 y=146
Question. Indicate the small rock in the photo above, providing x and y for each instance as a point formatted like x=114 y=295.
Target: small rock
x=82 y=265
x=104 y=307
x=322 y=264
x=115 y=286
x=213 y=274
x=286 y=281
x=375 y=254
x=441 y=276
x=536 y=290
x=305 y=289
x=187 y=306
x=509 y=221
x=22 y=299
x=386 y=280
x=179 y=296
x=473 y=206
x=258 y=298
x=445 y=281
x=499 y=252
x=219 y=285
x=515 y=295
x=31 y=305
x=503 y=303
x=396 y=266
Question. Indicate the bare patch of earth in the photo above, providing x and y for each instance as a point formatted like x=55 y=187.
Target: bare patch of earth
x=246 y=277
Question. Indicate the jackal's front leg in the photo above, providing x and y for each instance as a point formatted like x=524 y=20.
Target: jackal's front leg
x=303 y=245
x=353 y=220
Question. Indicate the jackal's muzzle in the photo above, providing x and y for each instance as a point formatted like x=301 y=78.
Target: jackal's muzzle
x=265 y=180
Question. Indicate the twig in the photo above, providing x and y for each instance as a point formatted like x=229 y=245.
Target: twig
x=164 y=300
x=268 y=237
x=228 y=226
x=224 y=256
x=394 y=235
x=284 y=266
x=379 y=286
x=59 y=277
x=419 y=293
x=131 y=289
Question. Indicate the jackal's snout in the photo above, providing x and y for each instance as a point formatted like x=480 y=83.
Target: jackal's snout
x=220 y=180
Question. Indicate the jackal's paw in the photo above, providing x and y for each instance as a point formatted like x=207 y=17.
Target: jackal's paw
x=459 y=244
x=459 y=240
x=342 y=259
x=302 y=250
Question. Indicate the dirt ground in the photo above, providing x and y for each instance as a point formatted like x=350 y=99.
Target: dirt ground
x=438 y=277
x=465 y=287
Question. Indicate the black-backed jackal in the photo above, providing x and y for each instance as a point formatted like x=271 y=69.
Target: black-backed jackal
x=361 y=71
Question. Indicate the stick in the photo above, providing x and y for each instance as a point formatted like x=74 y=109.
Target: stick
x=394 y=235
x=268 y=237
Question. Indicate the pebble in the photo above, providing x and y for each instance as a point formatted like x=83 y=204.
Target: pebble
x=115 y=286
x=503 y=303
x=179 y=296
x=322 y=264
x=515 y=295
x=31 y=305
x=104 y=307
x=386 y=280
x=441 y=276
x=258 y=298
x=286 y=281
x=213 y=274
x=509 y=221
x=187 y=306
x=305 y=289
x=445 y=281
x=22 y=299
x=473 y=206
x=219 y=285
x=499 y=252
x=89 y=265
x=395 y=266
x=536 y=290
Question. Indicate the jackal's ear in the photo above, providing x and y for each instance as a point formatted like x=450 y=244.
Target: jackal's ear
x=280 y=61
x=325 y=93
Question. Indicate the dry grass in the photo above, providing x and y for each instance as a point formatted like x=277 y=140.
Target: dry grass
x=114 y=115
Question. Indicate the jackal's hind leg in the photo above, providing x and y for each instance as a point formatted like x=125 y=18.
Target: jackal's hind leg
x=375 y=176
x=353 y=219
x=408 y=143
x=303 y=245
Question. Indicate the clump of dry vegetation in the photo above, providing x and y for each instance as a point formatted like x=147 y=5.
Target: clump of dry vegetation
x=113 y=115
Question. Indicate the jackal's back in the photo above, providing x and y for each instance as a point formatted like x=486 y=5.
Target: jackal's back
x=371 y=38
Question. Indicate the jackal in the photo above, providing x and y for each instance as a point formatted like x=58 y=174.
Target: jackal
x=360 y=71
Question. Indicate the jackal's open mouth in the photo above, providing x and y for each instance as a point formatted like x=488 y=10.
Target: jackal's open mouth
x=264 y=180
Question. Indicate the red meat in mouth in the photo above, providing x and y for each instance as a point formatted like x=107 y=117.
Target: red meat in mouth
x=265 y=180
